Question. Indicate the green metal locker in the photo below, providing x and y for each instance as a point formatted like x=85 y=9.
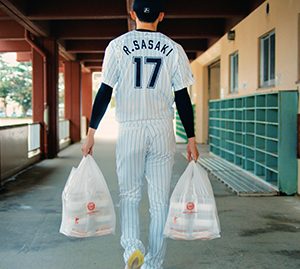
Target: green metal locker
x=258 y=133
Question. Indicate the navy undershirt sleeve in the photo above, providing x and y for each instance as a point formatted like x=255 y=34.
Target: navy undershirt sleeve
x=185 y=111
x=100 y=104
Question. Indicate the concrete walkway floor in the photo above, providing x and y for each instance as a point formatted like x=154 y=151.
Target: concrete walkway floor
x=257 y=232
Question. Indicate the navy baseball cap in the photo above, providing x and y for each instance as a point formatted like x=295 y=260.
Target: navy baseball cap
x=148 y=10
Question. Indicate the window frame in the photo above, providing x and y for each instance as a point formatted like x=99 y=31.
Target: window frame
x=267 y=80
x=234 y=72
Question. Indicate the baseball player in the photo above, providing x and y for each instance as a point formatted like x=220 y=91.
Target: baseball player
x=147 y=71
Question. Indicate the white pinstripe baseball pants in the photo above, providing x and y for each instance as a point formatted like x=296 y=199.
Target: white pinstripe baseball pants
x=145 y=149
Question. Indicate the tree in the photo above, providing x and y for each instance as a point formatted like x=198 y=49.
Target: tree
x=4 y=83
x=21 y=83
x=16 y=83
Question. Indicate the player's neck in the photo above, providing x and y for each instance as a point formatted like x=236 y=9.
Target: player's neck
x=146 y=26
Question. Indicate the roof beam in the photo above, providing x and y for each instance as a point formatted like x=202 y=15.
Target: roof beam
x=207 y=9
x=11 y=30
x=65 y=54
x=193 y=44
x=91 y=57
x=16 y=10
x=109 y=29
x=86 y=46
x=3 y=15
x=193 y=28
x=93 y=64
x=118 y=9
x=14 y=46
x=92 y=29
x=94 y=9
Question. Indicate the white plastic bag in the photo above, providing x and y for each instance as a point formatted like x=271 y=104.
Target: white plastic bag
x=193 y=213
x=88 y=209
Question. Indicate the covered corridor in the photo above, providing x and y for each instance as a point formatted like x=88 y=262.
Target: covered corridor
x=246 y=106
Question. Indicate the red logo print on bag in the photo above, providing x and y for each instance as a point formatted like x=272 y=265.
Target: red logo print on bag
x=91 y=206
x=190 y=206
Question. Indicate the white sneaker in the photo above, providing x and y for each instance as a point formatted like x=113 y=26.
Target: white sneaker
x=135 y=261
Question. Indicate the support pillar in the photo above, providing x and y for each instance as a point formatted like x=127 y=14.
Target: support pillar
x=87 y=96
x=38 y=96
x=72 y=98
x=45 y=91
x=51 y=50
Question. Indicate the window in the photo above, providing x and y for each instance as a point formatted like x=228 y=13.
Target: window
x=267 y=60
x=298 y=52
x=234 y=72
x=214 y=78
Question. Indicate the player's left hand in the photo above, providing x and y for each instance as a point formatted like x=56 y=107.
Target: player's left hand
x=191 y=150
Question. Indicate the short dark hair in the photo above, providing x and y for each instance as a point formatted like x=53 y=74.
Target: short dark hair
x=148 y=10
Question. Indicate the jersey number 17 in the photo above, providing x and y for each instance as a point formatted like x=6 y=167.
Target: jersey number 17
x=138 y=62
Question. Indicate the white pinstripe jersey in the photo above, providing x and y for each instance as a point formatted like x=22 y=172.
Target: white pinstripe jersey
x=144 y=68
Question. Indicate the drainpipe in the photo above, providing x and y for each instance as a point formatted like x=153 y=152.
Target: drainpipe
x=42 y=53
x=34 y=45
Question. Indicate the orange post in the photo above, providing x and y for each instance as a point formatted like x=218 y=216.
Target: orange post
x=38 y=97
x=87 y=96
x=51 y=84
x=72 y=98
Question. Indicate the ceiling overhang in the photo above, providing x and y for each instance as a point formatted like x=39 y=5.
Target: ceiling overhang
x=83 y=30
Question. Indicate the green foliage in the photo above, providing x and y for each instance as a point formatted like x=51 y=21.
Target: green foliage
x=16 y=83
x=61 y=88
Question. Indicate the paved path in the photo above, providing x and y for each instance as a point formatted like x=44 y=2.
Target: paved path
x=257 y=232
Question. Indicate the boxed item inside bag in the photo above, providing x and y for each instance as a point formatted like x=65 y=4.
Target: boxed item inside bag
x=87 y=205
x=193 y=212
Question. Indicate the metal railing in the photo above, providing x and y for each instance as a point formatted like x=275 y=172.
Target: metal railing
x=19 y=148
x=64 y=129
x=34 y=141
x=64 y=134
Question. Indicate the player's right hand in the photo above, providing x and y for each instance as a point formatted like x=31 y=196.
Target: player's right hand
x=87 y=147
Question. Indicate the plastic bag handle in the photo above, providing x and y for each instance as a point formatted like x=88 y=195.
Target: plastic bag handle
x=193 y=177
x=191 y=166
